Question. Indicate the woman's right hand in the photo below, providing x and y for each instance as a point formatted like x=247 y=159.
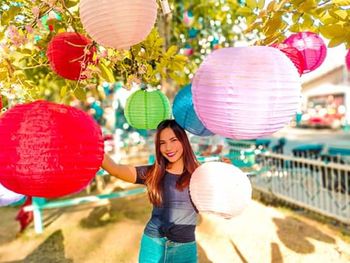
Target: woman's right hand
x=124 y=172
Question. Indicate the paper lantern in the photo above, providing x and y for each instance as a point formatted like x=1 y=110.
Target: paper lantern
x=145 y=110
x=118 y=24
x=8 y=197
x=294 y=55
x=220 y=188
x=246 y=92
x=48 y=150
x=68 y=55
x=347 y=60
x=311 y=46
x=185 y=115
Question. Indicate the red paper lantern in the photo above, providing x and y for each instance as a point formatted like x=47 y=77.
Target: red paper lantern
x=48 y=150
x=294 y=55
x=347 y=60
x=69 y=55
x=311 y=46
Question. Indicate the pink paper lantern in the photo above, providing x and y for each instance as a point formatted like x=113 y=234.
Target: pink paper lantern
x=48 y=150
x=8 y=197
x=118 y=24
x=347 y=60
x=246 y=92
x=311 y=46
x=220 y=188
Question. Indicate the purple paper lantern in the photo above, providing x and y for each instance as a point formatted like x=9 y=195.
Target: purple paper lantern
x=8 y=197
x=246 y=92
x=311 y=46
x=220 y=188
x=347 y=60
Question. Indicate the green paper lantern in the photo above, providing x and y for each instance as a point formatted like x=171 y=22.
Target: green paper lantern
x=146 y=109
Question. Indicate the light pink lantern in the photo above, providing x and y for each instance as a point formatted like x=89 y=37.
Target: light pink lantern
x=311 y=46
x=246 y=92
x=220 y=188
x=347 y=60
x=118 y=24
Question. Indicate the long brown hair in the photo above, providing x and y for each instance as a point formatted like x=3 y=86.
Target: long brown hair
x=155 y=176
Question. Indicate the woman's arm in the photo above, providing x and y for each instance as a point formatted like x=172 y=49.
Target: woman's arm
x=124 y=172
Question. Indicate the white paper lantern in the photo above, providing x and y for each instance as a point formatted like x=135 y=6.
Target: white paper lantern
x=118 y=23
x=220 y=188
x=246 y=92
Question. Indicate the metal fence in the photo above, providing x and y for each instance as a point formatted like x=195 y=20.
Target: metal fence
x=323 y=187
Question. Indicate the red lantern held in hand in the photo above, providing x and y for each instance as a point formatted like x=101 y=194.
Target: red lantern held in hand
x=293 y=54
x=311 y=46
x=69 y=55
x=48 y=150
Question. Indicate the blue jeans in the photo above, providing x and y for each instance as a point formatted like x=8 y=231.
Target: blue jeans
x=162 y=250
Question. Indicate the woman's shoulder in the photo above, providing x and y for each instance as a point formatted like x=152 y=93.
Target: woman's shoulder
x=141 y=173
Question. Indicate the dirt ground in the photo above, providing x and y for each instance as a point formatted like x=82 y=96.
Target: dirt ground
x=111 y=233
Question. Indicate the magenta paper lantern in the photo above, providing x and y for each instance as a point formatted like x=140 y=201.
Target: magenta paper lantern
x=8 y=197
x=294 y=55
x=311 y=46
x=220 y=188
x=118 y=24
x=246 y=92
x=48 y=150
x=347 y=60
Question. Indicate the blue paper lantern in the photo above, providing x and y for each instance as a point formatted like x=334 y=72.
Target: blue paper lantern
x=185 y=115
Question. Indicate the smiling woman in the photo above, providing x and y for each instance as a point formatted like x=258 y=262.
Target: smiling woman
x=169 y=236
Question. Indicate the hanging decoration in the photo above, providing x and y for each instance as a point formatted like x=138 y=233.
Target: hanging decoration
x=312 y=48
x=118 y=24
x=221 y=189
x=246 y=92
x=8 y=197
x=185 y=115
x=294 y=55
x=69 y=55
x=48 y=150
x=146 y=109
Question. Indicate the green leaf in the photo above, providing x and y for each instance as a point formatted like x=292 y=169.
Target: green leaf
x=80 y=94
x=106 y=73
x=341 y=2
x=261 y=4
x=172 y=51
x=339 y=14
x=244 y=11
x=251 y=4
x=63 y=91
x=336 y=41
x=71 y=3
x=332 y=31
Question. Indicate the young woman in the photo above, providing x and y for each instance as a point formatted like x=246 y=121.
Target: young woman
x=169 y=235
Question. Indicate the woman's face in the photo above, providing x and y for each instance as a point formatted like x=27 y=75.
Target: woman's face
x=170 y=146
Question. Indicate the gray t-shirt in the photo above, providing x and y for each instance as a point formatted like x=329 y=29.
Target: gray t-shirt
x=177 y=217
